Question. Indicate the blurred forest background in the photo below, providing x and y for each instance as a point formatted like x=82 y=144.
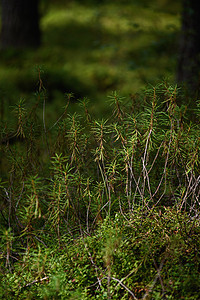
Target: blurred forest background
x=90 y=48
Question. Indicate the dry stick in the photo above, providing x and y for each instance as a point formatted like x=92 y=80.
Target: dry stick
x=160 y=278
x=133 y=271
x=144 y=161
x=146 y=177
x=37 y=238
x=8 y=197
x=98 y=282
x=147 y=172
x=195 y=197
x=164 y=171
x=196 y=203
x=120 y=207
x=99 y=212
x=130 y=166
x=127 y=184
x=59 y=117
x=125 y=287
x=36 y=281
x=193 y=187
x=119 y=283
x=154 y=282
x=130 y=181
x=131 y=171
x=156 y=156
x=146 y=146
x=8 y=246
x=189 y=183
x=187 y=191
x=88 y=208
x=106 y=185
x=133 y=176
x=110 y=277
x=95 y=266
x=106 y=277
x=163 y=175
x=137 y=187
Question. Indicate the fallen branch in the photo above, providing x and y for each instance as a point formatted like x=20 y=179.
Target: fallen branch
x=35 y=281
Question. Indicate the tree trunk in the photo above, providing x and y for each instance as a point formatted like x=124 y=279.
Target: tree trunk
x=20 y=24
x=188 y=72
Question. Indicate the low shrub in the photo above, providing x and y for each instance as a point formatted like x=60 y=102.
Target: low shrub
x=95 y=209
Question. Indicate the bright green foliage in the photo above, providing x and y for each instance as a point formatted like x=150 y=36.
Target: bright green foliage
x=131 y=255
x=101 y=209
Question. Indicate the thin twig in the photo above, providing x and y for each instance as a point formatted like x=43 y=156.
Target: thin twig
x=36 y=281
x=154 y=282
x=125 y=287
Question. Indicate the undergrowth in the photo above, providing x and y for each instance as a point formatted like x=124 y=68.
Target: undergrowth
x=101 y=209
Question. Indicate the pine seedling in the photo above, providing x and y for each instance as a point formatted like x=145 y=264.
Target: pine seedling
x=59 y=192
x=100 y=130
x=7 y=238
x=30 y=209
x=116 y=101
x=20 y=111
x=76 y=139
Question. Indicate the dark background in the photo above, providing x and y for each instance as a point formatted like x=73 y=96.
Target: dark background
x=89 y=48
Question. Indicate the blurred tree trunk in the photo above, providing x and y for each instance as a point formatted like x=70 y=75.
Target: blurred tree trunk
x=188 y=72
x=20 y=23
